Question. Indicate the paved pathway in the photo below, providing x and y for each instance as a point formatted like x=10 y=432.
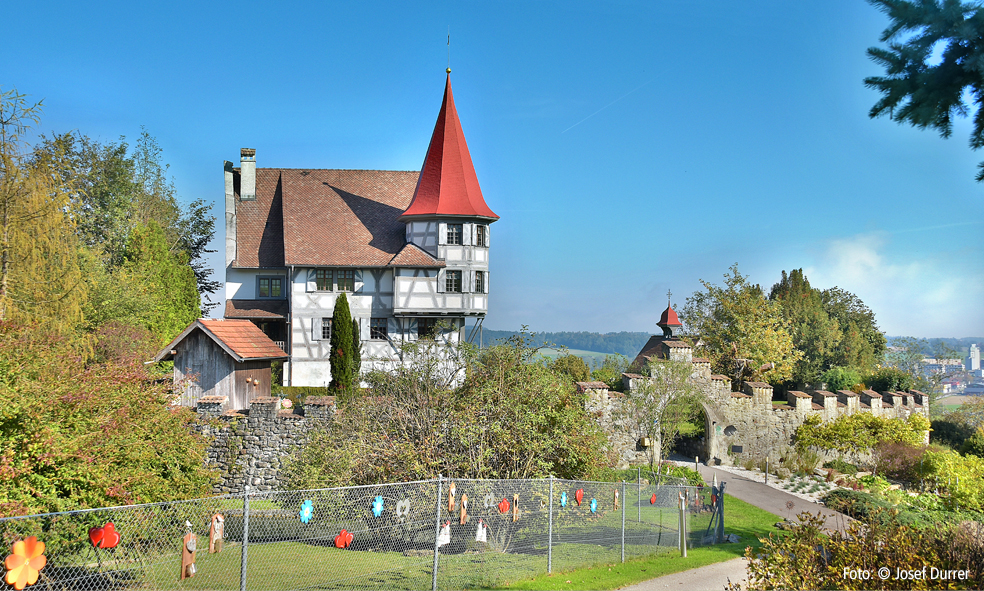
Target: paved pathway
x=716 y=576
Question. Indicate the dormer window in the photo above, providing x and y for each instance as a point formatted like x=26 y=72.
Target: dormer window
x=270 y=287
x=454 y=233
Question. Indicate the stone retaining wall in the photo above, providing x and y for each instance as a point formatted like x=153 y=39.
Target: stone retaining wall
x=248 y=447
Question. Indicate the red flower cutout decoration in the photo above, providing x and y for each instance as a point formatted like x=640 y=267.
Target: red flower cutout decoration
x=652 y=500
x=104 y=537
x=344 y=539
x=503 y=506
x=578 y=496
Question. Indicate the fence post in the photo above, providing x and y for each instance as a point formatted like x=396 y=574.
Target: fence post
x=639 y=486
x=550 y=527
x=437 y=531
x=245 y=547
x=720 y=507
x=682 y=528
x=623 y=521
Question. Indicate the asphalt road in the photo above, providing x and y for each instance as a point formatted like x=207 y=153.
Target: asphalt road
x=716 y=576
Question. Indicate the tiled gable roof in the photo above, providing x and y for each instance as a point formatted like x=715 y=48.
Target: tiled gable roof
x=241 y=339
x=244 y=338
x=259 y=309
x=345 y=218
x=413 y=256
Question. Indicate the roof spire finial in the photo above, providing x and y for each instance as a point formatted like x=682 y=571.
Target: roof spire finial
x=449 y=49
x=668 y=295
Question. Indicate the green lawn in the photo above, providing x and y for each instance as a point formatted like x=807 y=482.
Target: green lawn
x=313 y=562
x=749 y=522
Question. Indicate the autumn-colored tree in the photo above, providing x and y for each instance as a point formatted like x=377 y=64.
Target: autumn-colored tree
x=41 y=278
x=740 y=330
x=76 y=436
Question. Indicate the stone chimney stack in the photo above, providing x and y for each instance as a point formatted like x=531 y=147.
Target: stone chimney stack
x=247 y=172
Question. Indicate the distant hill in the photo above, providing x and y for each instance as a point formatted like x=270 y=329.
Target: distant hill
x=626 y=343
x=961 y=345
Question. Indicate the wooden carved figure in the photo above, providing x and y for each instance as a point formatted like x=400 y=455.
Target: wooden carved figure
x=464 y=509
x=451 y=498
x=216 y=533
x=516 y=507
x=188 y=546
x=616 y=500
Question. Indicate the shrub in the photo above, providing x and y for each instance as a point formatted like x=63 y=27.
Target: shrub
x=975 y=444
x=808 y=557
x=889 y=379
x=841 y=466
x=571 y=366
x=858 y=433
x=958 y=477
x=841 y=378
x=899 y=461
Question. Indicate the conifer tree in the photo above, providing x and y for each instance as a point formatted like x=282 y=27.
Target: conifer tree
x=919 y=89
x=356 y=352
x=341 y=355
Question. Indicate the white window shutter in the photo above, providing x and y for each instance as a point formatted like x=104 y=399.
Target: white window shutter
x=312 y=284
x=488 y=235
x=486 y=282
x=315 y=329
x=468 y=232
x=364 y=329
x=441 y=280
x=442 y=233
x=358 y=281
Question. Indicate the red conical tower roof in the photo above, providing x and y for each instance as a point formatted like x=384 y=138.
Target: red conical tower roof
x=448 y=185
x=669 y=318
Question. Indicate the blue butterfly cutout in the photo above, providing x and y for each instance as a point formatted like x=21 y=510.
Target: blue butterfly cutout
x=563 y=499
x=594 y=505
x=377 y=506
x=307 y=511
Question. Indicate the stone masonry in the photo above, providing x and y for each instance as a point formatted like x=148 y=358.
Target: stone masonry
x=249 y=447
x=746 y=424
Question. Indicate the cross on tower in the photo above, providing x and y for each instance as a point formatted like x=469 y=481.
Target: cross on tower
x=668 y=294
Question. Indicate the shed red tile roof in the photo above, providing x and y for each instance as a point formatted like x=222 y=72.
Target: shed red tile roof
x=448 y=185
x=244 y=338
x=259 y=309
x=241 y=339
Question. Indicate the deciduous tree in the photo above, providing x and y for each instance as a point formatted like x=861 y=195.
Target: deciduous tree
x=740 y=330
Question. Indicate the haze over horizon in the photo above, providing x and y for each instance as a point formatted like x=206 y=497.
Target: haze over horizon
x=630 y=148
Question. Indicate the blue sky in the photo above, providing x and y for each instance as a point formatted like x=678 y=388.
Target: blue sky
x=629 y=147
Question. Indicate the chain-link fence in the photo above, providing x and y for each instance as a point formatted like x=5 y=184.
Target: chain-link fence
x=435 y=534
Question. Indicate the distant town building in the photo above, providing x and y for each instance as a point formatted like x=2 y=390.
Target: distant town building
x=976 y=389
x=941 y=366
x=973 y=362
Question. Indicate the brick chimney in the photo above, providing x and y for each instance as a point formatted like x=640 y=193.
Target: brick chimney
x=247 y=171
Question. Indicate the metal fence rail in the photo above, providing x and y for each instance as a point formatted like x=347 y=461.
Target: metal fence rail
x=445 y=533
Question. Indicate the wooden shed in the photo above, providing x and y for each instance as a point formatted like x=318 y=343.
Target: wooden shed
x=222 y=358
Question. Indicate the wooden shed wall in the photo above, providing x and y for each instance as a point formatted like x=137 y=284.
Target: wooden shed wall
x=242 y=392
x=200 y=364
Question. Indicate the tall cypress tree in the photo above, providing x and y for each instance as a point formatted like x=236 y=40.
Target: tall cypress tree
x=356 y=352
x=341 y=356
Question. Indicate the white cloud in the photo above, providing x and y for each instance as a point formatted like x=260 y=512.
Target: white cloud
x=923 y=295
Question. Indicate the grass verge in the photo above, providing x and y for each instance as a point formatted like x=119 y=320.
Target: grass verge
x=748 y=521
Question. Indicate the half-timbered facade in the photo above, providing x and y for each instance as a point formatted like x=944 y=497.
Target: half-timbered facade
x=410 y=251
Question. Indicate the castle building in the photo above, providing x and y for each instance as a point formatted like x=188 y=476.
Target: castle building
x=410 y=251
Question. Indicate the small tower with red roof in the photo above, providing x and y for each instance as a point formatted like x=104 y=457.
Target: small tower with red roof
x=448 y=216
x=669 y=321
